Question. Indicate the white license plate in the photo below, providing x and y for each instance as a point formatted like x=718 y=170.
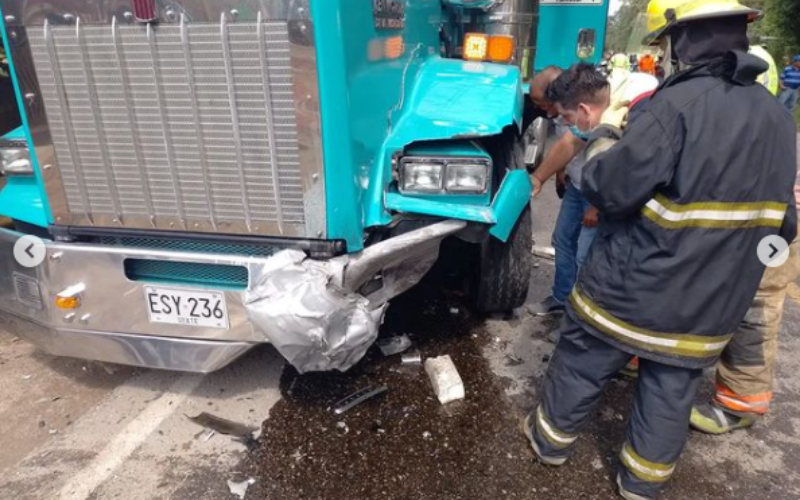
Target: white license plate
x=186 y=307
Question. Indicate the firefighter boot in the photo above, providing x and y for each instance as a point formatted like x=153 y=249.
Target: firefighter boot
x=711 y=419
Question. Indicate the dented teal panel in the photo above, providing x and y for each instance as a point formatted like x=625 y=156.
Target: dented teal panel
x=23 y=198
x=450 y=99
x=511 y=199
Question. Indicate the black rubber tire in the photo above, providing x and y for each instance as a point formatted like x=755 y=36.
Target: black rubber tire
x=503 y=272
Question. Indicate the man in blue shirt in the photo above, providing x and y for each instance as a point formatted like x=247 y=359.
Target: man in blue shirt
x=790 y=82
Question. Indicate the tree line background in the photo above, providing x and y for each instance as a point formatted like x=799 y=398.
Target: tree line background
x=778 y=30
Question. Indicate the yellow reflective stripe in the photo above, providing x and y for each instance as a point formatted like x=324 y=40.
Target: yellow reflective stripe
x=556 y=438
x=644 y=469
x=714 y=214
x=695 y=346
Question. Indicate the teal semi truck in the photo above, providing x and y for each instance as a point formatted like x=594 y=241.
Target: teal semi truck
x=197 y=177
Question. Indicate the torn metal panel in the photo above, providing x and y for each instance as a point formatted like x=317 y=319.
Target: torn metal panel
x=313 y=323
x=310 y=310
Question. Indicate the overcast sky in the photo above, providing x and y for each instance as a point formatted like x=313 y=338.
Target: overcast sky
x=614 y=7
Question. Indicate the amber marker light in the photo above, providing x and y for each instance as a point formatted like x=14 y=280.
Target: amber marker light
x=476 y=46
x=70 y=298
x=501 y=48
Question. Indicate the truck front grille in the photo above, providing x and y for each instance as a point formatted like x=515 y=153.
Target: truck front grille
x=188 y=126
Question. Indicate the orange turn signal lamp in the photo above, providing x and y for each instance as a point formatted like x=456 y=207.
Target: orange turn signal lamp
x=482 y=47
x=70 y=298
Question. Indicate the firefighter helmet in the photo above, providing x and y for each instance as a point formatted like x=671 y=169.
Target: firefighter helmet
x=664 y=14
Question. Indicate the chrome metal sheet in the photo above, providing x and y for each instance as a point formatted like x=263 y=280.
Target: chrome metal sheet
x=187 y=126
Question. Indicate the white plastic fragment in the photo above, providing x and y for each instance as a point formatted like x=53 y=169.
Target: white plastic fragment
x=240 y=488
x=445 y=379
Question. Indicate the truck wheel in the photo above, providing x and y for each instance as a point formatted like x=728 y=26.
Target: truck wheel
x=503 y=270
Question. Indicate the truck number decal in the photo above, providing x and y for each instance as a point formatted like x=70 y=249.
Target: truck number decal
x=389 y=14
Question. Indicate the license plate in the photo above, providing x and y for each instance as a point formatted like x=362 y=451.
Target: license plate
x=186 y=307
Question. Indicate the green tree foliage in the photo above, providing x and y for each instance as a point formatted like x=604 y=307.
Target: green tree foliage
x=781 y=26
x=621 y=24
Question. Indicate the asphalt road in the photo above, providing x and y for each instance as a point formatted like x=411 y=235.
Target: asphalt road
x=77 y=430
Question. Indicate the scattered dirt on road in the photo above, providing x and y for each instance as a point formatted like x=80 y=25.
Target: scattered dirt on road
x=405 y=445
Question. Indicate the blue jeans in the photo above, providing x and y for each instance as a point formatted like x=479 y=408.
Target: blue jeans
x=788 y=98
x=571 y=241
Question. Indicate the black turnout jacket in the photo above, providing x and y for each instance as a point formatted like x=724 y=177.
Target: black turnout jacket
x=704 y=171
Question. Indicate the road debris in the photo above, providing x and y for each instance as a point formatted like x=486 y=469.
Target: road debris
x=412 y=358
x=544 y=252
x=210 y=433
x=446 y=381
x=394 y=345
x=357 y=398
x=454 y=311
x=240 y=488
x=224 y=426
x=27 y=377
x=343 y=426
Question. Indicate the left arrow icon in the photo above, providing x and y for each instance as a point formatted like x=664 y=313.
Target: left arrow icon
x=29 y=251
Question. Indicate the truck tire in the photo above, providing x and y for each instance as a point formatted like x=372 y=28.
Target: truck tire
x=504 y=269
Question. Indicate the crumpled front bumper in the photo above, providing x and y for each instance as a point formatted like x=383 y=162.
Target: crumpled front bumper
x=112 y=323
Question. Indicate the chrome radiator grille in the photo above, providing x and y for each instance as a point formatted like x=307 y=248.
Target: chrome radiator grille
x=189 y=126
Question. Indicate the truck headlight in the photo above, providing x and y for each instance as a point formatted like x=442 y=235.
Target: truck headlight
x=444 y=175
x=421 y=177
x=15 y=158
x=466 y=178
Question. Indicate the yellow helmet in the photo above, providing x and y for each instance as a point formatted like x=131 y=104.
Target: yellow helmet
x=664 y=14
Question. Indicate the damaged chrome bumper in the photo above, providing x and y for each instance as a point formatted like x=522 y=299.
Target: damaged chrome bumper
x=321 y=315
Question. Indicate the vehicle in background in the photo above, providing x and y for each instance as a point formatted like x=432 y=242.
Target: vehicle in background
x=210 y=175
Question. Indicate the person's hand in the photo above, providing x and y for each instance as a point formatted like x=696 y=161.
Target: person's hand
x=616 y=115
x=797 y=195
x=591 y=218
x=537 y=186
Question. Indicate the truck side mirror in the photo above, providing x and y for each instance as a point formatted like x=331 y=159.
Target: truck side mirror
x=535 y=143
x=587 y=41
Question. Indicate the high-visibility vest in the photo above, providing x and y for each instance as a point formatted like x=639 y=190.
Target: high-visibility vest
x=769 y=78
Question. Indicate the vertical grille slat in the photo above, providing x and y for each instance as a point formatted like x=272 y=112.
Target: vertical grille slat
x=181 y=125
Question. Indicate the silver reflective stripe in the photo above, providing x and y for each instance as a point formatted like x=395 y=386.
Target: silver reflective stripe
x=715 y=215
x=678 y=345
x=630 y=461
x=552 y=434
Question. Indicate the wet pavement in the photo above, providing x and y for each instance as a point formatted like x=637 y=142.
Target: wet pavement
x=404 y=444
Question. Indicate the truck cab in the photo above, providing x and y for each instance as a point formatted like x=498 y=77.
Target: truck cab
x=200 y=177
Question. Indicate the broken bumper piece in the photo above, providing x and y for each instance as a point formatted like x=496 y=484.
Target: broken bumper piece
x=312 y=311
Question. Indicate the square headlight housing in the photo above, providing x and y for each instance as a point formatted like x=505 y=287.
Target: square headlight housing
x=15 y=159
x=444 y=175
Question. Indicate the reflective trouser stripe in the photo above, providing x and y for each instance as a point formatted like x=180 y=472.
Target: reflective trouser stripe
x=694 y=346
x=645 y=470
x=555 y=437
x=758 y=403
x=713 y=215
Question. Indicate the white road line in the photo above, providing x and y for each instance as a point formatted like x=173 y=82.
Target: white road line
x=129 y=439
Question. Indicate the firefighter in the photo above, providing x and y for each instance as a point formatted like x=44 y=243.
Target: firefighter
x=769 y=78
x=674 y=267
x=746 y=371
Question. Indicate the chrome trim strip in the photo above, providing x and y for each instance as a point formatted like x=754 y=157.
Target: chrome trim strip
x=226 y=56
x=126 y=90
x=146 y=351
x=91 y=89
x=187 y=57
x=72 y=144
x=273 y=151
x=162 y=106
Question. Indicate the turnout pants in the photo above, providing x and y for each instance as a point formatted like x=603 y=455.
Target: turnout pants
x=579 y=370
x=746 y=369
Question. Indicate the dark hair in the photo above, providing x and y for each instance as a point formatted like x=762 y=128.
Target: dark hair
x=581 y=83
